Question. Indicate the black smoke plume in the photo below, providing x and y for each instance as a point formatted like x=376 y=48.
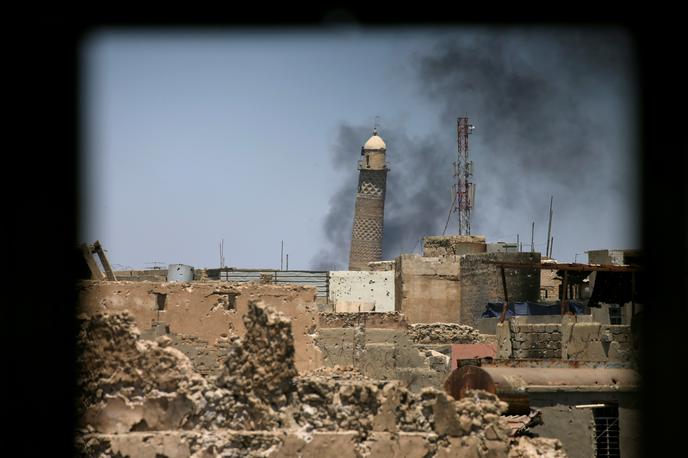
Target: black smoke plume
x=553 y=111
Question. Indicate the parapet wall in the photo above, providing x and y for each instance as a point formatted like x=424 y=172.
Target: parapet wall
x=535 y=340
x=364 y=291
x=569 y=340
x=453 y=245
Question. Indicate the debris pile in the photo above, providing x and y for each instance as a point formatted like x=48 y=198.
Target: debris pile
x=143 y=397
x=127 y=384
x=443 y=333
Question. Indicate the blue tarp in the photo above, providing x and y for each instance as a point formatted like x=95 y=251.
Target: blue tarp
x=494 y=309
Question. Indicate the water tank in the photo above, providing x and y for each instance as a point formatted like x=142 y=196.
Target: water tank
x=180 y=272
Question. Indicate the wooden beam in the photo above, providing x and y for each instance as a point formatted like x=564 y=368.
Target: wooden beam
x=104 y=261
x=506 y=297
x=96 y=274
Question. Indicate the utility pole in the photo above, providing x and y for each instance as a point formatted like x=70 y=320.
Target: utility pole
x=517 y=242
x=287 y=261
x=549 y=226
x=551 y=247
x=532 y=238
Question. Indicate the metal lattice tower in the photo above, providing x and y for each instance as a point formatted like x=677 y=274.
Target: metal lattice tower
x=464 y=189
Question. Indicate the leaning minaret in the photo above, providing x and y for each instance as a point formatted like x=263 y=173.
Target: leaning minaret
x=366 y=235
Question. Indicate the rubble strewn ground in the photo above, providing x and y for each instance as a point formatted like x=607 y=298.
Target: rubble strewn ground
x=443 y=333
x=144 y=398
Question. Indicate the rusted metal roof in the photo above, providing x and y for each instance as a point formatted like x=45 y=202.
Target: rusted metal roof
x=526 y=380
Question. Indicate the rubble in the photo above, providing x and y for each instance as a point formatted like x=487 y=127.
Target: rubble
x=143 y=398
x=443 y=333
x=130 y=384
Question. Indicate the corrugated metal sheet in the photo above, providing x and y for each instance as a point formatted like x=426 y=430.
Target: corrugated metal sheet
x=318 y=279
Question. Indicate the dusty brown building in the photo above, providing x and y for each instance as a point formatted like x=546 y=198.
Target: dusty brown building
x=456 y=277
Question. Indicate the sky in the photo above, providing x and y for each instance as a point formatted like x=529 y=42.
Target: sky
x=189 y=137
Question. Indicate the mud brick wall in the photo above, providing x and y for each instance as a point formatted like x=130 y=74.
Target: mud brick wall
x=208 y=360
x=535 y=340
x=208 y=311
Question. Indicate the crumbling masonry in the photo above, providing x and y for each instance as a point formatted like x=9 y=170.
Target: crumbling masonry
x=143 y=398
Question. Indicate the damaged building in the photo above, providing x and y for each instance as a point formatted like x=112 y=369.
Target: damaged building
x=471 y=348
x=374 y=382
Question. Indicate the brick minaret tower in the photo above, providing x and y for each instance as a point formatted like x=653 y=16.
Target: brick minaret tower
x=366 y=235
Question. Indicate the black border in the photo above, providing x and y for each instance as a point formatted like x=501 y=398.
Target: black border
x=44 y=195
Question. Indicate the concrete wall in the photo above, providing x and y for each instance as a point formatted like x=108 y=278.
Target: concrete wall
x=481 y=282
x=427 y=289
x=574 y=427
x=596 y=342
x=353 y=291
x=615 y=257
x=207 y=311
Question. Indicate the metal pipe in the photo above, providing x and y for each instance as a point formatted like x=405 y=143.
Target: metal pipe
x=549 y=226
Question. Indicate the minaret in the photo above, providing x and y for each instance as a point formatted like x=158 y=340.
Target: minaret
x=366 y=235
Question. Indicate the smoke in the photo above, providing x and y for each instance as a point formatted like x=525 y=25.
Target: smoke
x=552 y=111
x=415 y=203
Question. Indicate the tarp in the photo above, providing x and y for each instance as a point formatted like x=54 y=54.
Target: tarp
x=494 y=309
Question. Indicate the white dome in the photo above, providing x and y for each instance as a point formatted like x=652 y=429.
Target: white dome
x=375 y=143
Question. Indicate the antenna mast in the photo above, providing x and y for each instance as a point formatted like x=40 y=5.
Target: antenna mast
x=463 y=171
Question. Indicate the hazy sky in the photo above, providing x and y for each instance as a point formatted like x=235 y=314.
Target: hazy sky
x=253 y=137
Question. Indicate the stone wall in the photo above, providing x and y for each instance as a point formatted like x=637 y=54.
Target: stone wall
x=384 y=346
x=481 y=282
x=365 y=291
x=427 y=289
x=575 y=339
x=535 y=340
x=206 y=311
x=453 y=245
